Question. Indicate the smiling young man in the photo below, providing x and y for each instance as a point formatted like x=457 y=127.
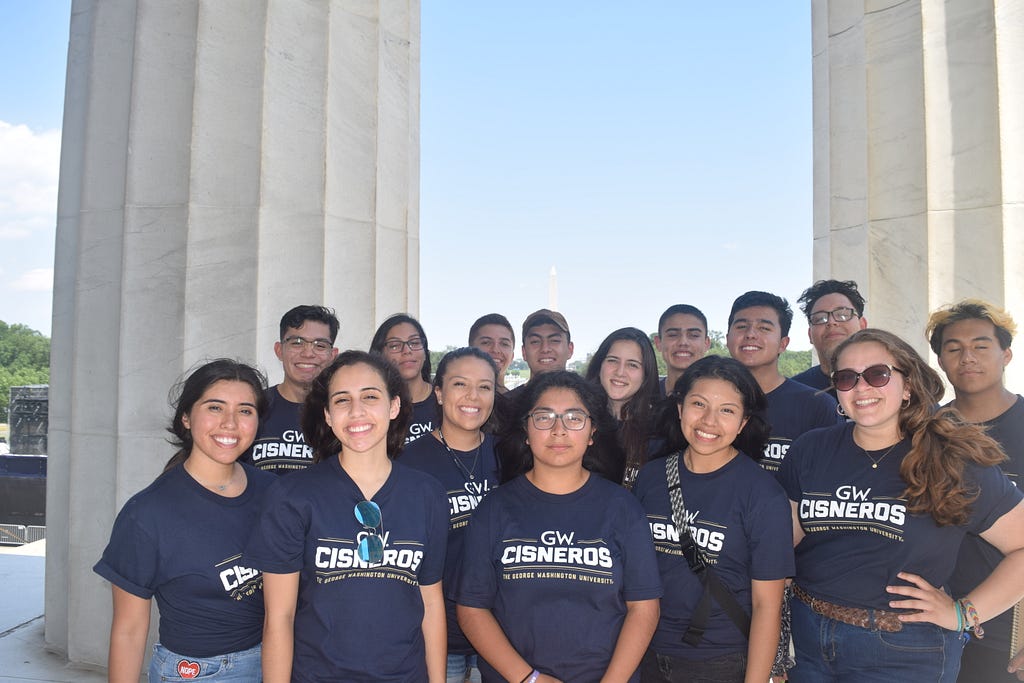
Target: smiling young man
x=547 y=346
x=682 y=340
x=493 y=334
x=758 y=334
x=306 y=346
x=972 y=342
x=834 y=310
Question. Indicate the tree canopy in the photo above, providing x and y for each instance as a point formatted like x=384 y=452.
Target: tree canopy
x=24 y=359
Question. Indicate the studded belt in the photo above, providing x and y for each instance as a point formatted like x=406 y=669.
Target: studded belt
x=870 y=619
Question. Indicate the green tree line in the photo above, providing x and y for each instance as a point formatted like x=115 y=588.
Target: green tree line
x=24 y=359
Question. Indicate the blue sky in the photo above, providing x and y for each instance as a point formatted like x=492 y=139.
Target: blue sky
x=654 y=153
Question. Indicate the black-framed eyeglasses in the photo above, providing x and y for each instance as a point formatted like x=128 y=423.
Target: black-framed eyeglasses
x=840 y=315
x=396 y=345
x=573 y=420
x=371 y=546
x=876 y=375
x=318 y=345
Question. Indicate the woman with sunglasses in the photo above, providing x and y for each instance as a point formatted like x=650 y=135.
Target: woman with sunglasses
x=402 y=342
x=558 y=580
x=461 y=456
x=880 y=505
x=180 y=541
x=352 y=548
x=626 y=368
x=739 y=518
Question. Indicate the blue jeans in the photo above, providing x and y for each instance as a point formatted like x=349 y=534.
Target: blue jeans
x=829 y=650
x=234 y=667
x=655 y=668
x=459 y=666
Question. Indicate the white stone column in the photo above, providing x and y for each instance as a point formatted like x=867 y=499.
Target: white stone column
x=222 y=161
x=919 y=155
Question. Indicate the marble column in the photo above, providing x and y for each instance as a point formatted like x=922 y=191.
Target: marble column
x=919 y=155
x=222 y=161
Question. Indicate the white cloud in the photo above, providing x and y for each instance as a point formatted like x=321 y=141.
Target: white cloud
x=35 y=280
x=29 y=170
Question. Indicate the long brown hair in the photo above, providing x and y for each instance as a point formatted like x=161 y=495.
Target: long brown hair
x=321 y=437
x=941 y=442
x=188 y=391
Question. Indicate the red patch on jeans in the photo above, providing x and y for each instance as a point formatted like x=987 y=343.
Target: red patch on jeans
x=187 y=669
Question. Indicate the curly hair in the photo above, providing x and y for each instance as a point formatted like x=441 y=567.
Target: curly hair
x=941 y=442
x=319 y=435
x=847 y=288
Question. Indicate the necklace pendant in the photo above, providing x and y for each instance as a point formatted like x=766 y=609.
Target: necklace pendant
x=874 y=465
x=472 y=476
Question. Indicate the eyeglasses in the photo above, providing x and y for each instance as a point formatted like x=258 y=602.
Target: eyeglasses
x=876 y=375
x=395 y=345
x=299 y=344
x=371 y=547
x=573 y=420
x=840 y=315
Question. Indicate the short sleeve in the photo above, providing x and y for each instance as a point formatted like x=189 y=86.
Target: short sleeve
x=432 y=569
x=278 y=540
x=640 y=576
x=997 y=496
x=788 y=475
x=476 y=582
x=131 y=560
x=771 y=535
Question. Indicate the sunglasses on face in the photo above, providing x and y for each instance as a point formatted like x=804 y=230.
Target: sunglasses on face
x=371 y=547
x=876 y=376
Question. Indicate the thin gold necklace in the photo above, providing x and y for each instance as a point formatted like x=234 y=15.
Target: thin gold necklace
x=874 y=462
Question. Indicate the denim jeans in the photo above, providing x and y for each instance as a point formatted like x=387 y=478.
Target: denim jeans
x=461 y=665
x=233 y=667
x=655 y=668
x=830 y=650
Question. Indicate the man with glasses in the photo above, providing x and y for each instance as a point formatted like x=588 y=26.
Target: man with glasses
x=834 y=310
x=305 y=348
x=972 y=342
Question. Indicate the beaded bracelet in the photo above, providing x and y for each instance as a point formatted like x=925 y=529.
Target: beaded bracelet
x=970 y=614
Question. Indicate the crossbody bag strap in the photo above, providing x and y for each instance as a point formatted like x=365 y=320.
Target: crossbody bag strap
x=713 y=586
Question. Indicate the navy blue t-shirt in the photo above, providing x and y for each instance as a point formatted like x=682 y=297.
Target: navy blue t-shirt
x=424 y=417
x=182 y=544
x=463 y=494
x=794 y=409
x=354 y=621
x=858 y=532
x=557 y=570
x=280 y=446
x=742 y=521
x=815 y=379
x=977 y=557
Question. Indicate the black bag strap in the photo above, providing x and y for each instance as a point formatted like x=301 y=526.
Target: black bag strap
x=713 y=586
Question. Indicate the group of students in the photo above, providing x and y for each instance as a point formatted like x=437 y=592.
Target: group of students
x=437 y=526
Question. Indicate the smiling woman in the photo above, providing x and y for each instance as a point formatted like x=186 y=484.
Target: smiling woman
x=360 y=538
x=556 y=548
x=210 y=599
x=880 y=506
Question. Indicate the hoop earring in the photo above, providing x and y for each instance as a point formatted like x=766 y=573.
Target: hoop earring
x=839 y=410
x=905 y=403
